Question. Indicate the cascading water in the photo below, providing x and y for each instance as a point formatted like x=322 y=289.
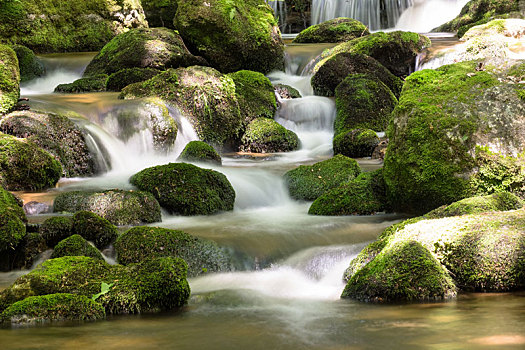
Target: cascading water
x=426 y=15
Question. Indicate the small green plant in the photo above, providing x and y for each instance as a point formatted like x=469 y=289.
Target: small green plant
x=104 y=288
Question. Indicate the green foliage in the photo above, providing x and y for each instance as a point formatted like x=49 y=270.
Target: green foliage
x=199 y=151
x=264 y=135
x=104 y=289
x=333 y=31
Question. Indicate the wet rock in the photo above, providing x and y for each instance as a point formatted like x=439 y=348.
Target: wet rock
x=35 y=208
x=356 y=143
x=9 y=79
x=95 y=83
x=264 y=135
x=30 y=66
x=286 y=91
x=75 y=245
x=333 y=31
x=201 y=152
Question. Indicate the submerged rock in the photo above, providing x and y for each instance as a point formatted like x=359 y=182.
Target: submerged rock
x=264 y=135
x=75 y=245
x=9 y=79
x=333 y=31
x=30 y=66
x=201 y=152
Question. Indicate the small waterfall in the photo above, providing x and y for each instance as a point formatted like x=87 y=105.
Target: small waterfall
x=426 y=15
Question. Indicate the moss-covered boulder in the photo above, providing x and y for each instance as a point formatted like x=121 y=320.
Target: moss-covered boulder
x=94 y=228
x=204 y=95
x=153 y=285
x=456 y=133
x=286 y=91
x=30 y=66
x=264 y=135
x=56 y=229
x=308 y=182
x=403 y=271
x=201 y=152
x=25 y=253
x=232 y=34
x=365 y=195
x=94 y=83
x=397 y=51
x=73 y=26
x=363 y=102
x=52 y=308
x=12 y=224
x=9 y=79
x=25 y=166
x=158 y=48
x=332 y=31
x=143 y=243
x=356 y=143
x=186 y=189
x=117 y=206
x=339 y=66
x=75 y=245
x=160 y=13
x=127 y=76
x=58 y=135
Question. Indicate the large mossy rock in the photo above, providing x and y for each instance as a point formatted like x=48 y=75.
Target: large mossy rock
x=117 y=206
x=308 y=182
x=362 y=101
x=9 y=79
x=397 y=51
x=337 y=68
x=142 y=243
x=356 y=143
x=30 y=66
x=264 y=135
x=232 y=34
x=57 y=307
x=75 y=245
x=158 y=48
x=127 y=76
x=160 y=13
x=59 y=26
x=12 y=223
x=200 y=152
x=25 y=166
x=94 y=83
x=58 y=135
x=186 y=189
x=153 y=285
x=403 y=271
x=456 y=132
x=332 y=31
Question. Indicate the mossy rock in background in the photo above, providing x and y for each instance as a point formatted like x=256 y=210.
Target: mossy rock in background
x=12 y=224
x=356 y=143
x=232 y=34
x=201 y=152
x=332 y=31
x=143 y=243
x=25 y=166
x=67 y=26
x=94 y=228
x=55 y=229
x=9 y=79
x=58 y=307
x=76 y=245
x=264 y=135
x=160 y=13
x=339 y=66
x=308 y=182
x=94 y=83
x=158 y=48
x=124 y=77
x=117 y=206
x=364 y=102
x=56 y=134
x=365 y=195
x=403 y=271
x=287 y=91
x=186 y=189
x=30 y=66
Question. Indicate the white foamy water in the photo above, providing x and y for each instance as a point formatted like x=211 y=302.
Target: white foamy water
x=425 y=15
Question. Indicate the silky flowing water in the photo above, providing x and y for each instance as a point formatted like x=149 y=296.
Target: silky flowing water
x=285 y=294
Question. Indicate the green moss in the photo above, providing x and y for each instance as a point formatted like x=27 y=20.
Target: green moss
x=52 y=308
x=75 y=245
x=9 y=79
x=308 y=182
x=198 y=151
x=355 y=143
x=264 y=135
x=124 y=77
x=94 y=228
x=25 y=254
x=95 y=83
x=287 y=91
x=30 y=66
x=186 y=189
x=332 y=31
x=142 y=243
x=12 y=219
x=160 y=13
x=55 y=229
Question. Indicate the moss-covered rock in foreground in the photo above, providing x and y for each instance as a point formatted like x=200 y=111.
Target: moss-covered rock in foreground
x=117 y=206
x=75 y=245
x=12 y=222
x=201 y=152
x=365 y=195
x=127 y=76
x=332 y=31
x=310 y=181
x=30 y=66
x=403 y=271
x=232 y=34
x=264 y=135
x=356 y=143
x=186 y=189
x=25 y=254
x=52 y=308
x=94 y=83
x=142 y=243
x=9 y=79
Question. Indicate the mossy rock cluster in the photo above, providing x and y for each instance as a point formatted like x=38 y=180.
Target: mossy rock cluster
x=356 y=143
x=127 y=76
x=9 y=79
x=94 y=83
x=200 y=152
x=456 y=132
x=76 y=245
x=117 y=206
x=232 y=34
x=30 y=66
x=67 y=26
x=56 y=134
x=186 y=189
x=142 y=243
x=153 y=285
x=264 y=135
x=332 y=31
x=308 y=182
